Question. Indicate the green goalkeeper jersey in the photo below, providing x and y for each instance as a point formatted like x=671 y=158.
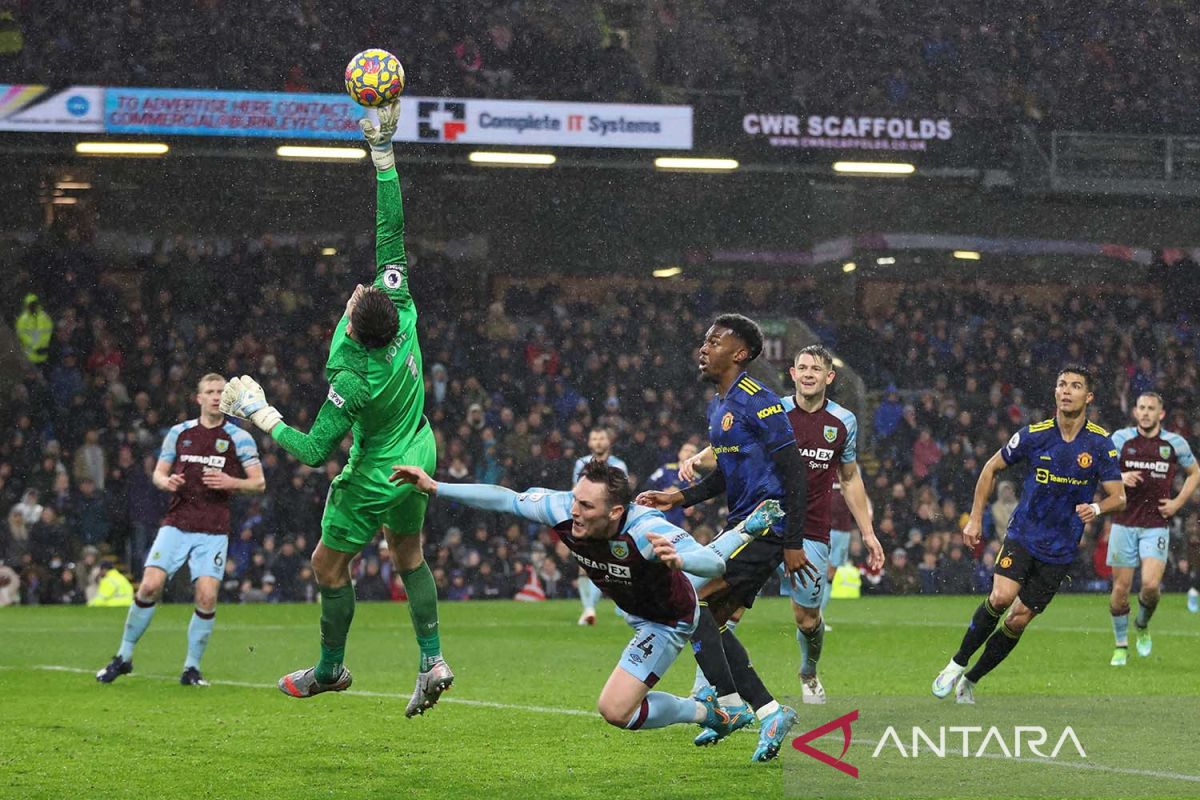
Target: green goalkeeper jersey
x=379 y=394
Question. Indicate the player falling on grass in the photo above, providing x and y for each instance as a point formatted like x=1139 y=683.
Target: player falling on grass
x=202 y=462
x=639 y=560
x=377 y=391
x=826 y=435
x=1149 y=459
x=600 y=449
x=757 y=459
x=1068 y=456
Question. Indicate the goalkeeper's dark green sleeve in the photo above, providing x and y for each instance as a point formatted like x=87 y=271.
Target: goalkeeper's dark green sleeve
x=333 y=422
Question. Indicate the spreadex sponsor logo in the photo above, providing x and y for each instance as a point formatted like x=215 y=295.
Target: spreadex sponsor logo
x=972 y=741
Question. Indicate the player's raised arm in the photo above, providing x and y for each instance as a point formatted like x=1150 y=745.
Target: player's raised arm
x=244 y=398
x=391 y=259
x=536 y=505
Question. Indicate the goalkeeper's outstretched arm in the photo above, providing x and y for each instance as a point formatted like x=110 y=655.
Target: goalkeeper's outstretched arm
x=391 y=259
x=244 y=398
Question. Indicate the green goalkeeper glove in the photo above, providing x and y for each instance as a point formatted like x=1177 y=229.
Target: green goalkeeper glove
x=244 y=398
x=380 y=138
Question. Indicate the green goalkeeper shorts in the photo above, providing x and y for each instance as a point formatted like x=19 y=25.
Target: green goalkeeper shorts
x=358 y=507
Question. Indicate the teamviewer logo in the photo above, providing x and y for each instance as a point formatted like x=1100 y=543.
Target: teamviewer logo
x=441 y=121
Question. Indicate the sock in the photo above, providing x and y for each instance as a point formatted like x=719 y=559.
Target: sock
x=982 y=624
x=1145 y=611
x=766 y=711
x=710 y=654
x=589 y=593
x=699 y=682
x=999 y=645
x=810 y=649
x=422 y=608
x=199 y=629
x=729 y=542
x=337 y=612
x=1120 y=620
x=825 y=599
x=136 y=622
x=660 y=709
x=749 y=685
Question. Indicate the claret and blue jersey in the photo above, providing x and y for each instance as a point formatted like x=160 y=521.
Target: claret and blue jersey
x=745 y=427
x=1061 y=476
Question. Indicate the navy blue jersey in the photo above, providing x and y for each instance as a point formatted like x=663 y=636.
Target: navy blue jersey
x=1062 y=475
x=666 y=479
x=745 y=427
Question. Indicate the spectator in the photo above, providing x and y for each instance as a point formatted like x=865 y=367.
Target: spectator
x=90 y=461
x=34 y=329
x=10 y=584
x=372 y=586
x=900 y=576
x=91 y=514
x=114 y=590
x=956 y=573
x=1003 y=508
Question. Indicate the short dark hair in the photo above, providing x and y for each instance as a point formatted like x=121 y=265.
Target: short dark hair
x=817 y=351
x=1154 y=394
x=374 y=319
x=620 y=493
x=1081 y=371
x=745 y=329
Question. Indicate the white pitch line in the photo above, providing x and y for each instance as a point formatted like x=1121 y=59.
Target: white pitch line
x=573 y=712
x=579 y=713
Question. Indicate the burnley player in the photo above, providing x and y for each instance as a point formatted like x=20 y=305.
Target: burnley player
x=1149 y=459
x=1068 y=457
x=757 y=460
x=639 y=559
x=375 y=391
x=599 y=449
x=202 y=463
x=827 y=437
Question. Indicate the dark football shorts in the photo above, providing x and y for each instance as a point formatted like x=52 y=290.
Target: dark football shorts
x=748 y=569
x=1039 y=580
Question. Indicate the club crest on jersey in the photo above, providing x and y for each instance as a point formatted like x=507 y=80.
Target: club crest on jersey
x=727 y=421
x=222 y=445
x=619 y=549
x=1006 y=562
x=1165 y=451
x=1084 y=460
x=830 y=433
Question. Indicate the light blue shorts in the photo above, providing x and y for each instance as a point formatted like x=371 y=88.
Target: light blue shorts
x=1127 y=546
x=839 y=548
x=655 y=646
x=809 y=595
x=204 y=553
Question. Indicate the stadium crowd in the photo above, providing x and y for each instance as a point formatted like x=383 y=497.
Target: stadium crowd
x=1089 y=64
x=513 y=389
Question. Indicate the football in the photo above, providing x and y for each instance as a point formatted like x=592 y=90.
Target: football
x=374 y=78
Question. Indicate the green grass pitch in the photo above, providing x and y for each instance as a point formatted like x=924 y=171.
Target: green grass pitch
x=520 y=720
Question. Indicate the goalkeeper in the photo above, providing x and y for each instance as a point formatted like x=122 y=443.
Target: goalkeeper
x=376 y=390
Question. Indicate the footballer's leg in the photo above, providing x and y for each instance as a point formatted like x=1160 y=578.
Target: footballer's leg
x=807 y=601
x=1118 y=607
x=998 y=646
x=626 y=700
x=206 y=562
x=167 y=554
x=589 y=595
x=331 y=566
x=1123 y=558
x=1004 y=592
x=1154 y=564
x=433 y=673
